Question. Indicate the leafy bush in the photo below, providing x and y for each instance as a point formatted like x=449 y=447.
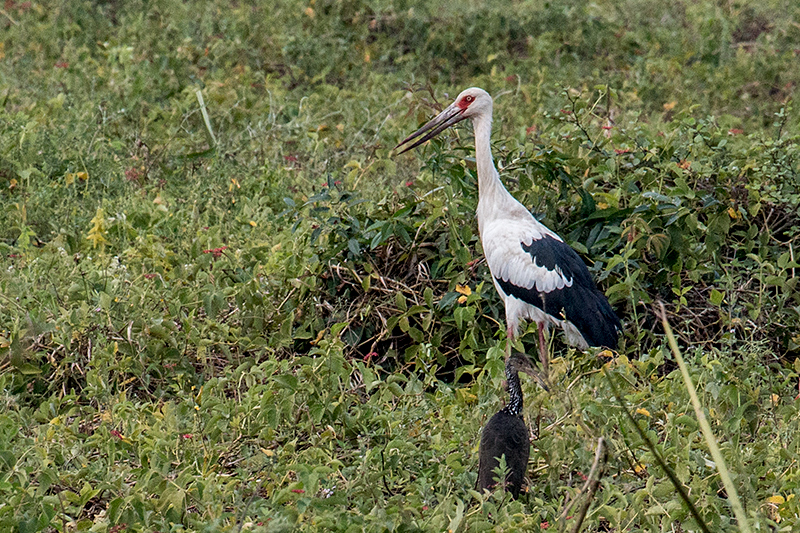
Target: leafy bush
x=241 y=311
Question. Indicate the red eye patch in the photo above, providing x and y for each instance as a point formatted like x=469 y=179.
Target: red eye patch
x=466 y=101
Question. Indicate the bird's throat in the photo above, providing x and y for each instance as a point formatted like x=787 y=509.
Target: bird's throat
x=493 y=198
x=514 y=406
x=487 y=173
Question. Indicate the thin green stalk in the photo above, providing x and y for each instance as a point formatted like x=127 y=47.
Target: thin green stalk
x=711 y=441
x=657 y=456
x=206 y=119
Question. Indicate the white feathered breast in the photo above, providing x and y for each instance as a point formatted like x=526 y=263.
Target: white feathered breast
x=502 y=241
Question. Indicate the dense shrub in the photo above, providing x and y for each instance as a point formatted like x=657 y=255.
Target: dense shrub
x=224 y=303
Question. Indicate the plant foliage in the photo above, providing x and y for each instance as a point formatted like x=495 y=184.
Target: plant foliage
x=225 y=305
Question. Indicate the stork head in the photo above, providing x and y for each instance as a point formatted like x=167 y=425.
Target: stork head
x=472 y=102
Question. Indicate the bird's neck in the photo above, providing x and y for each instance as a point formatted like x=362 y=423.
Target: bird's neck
x=514 y=406
x=493 y=198
x=487 y=173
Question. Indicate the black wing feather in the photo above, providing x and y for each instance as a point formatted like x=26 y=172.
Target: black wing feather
x=582 y=303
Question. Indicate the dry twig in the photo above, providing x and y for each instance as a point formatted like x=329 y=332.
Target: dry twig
x=589 y=488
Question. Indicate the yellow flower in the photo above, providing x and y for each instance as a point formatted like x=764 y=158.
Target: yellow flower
x=465 y=291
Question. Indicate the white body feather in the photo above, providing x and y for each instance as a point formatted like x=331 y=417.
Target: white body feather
x=504 y=225
x=528 y=262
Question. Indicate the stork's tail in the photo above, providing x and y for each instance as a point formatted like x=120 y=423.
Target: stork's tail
x=598 y=323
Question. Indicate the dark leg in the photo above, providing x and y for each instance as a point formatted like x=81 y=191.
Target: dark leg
x=509 y=342
x=543 y=351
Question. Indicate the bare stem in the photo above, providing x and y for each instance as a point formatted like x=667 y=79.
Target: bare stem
x=589 y=488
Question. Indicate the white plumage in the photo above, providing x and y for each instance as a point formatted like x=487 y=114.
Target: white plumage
x=508 y=261
x=538 y=276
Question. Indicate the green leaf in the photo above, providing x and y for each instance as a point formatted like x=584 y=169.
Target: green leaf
x=427 y=295
x=400 y=301
x=458 y=315
x=287 y=381
x=29 y=369
x=716 y=297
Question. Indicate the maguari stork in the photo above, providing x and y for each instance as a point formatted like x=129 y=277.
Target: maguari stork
x=505 y=434
x=537 y=275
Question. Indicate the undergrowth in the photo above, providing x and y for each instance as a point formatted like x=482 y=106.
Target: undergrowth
x=265 y=321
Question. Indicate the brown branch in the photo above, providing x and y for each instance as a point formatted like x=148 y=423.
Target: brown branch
x=598 y=467
x=589 y=488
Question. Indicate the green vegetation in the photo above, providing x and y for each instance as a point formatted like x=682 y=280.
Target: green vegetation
x=246 y=315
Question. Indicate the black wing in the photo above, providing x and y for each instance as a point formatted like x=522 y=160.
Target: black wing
x=554 y=264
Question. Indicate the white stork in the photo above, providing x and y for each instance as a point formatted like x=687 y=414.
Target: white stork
x=538 y=276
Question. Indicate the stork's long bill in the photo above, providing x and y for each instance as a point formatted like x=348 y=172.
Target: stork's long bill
x=451 y=115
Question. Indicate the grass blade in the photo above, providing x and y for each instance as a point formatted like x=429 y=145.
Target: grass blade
x=660 y=460
x=207 y=120
x=711 y=441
